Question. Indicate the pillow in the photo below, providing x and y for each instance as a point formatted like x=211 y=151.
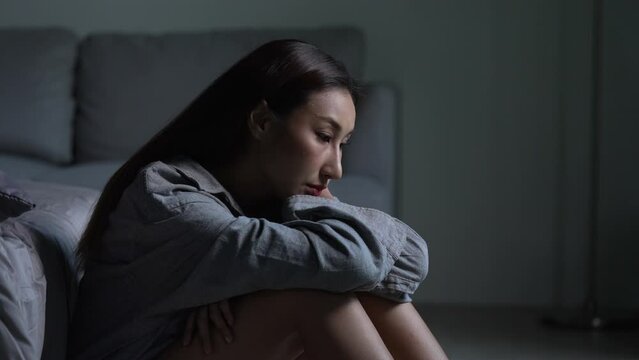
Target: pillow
x=36 y=92
x=41 y=241
x=22 y=293
x=13 y=200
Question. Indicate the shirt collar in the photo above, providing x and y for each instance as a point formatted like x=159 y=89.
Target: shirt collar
x=203 y=178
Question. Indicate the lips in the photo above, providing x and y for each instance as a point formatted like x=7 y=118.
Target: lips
x=315 y=190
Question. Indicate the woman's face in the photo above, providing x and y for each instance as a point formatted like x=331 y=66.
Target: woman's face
x=302 y=153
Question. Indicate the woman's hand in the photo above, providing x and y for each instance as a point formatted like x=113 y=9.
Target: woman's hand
x=219 y=314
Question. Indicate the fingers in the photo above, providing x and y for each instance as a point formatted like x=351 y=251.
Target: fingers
x=203 y=328
x=188 y=330
x=219 y=314
x=226 y=312
x=215 y=314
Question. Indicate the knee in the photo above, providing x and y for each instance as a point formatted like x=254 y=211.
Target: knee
x=309 y=297
x=316 y=306
x=301 y=303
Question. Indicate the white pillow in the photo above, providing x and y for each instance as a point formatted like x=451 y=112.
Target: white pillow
x=37 y=244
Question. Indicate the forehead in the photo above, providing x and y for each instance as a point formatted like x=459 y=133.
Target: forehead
x=333 y=106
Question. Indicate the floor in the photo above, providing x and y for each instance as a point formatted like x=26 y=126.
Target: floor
x=478 y=333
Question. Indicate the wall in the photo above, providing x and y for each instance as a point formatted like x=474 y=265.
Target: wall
x=488 y=106
x=618 y=245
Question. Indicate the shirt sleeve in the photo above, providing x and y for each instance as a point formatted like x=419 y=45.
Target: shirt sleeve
x=407 y=272
x=192 y=250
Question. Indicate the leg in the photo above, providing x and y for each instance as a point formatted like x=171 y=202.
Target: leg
x=402 y=329
x=285 y=324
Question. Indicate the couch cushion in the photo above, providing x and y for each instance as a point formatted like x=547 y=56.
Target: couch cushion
x=92 y=175
x=372 y=150
x=129 y=86
x=24 y=167
x=36 y=88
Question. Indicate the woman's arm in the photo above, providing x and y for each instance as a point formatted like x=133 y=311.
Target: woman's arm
x=408 y=269
x=225 y=256
x=407 y=272
x=180 y=240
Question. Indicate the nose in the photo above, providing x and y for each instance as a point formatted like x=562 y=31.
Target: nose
x=332 y=169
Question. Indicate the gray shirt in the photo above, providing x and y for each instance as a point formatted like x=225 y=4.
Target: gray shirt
x=177 y=240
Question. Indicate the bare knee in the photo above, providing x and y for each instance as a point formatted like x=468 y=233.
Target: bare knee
x=283 y=324
x=300 y=301
x=298 y=306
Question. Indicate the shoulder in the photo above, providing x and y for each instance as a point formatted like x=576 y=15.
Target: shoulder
x=163 y=177
x=161 y=190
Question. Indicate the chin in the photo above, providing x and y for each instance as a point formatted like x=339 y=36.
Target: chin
x=288 y=194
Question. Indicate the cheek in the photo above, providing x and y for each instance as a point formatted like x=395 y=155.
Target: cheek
x=307 y=152
x=300 y=156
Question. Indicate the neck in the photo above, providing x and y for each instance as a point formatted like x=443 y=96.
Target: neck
x=246 y=183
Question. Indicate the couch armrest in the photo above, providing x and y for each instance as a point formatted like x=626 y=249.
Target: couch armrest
x=372 y=152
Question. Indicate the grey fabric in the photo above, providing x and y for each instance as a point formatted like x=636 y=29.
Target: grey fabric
x=92 y=175
x=53 y=228
x=24 y=167
x=59 y=218
x=372 y=151
x=36 y=87
x=129 y=86
x=22 y=294
x=13 y=200
x=177 y=239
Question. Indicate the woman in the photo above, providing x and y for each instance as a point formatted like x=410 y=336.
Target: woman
x=231 y=201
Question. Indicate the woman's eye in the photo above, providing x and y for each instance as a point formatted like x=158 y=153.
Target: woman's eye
x=346 y=142
x=324 y=137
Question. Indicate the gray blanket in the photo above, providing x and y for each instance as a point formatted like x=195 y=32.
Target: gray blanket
x=40 y=225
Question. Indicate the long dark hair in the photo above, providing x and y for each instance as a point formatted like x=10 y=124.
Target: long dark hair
x=213 y=128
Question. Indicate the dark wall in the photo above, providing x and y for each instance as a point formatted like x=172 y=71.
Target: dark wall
x=619 y=171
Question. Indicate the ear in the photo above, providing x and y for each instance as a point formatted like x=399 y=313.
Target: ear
x=260 y=120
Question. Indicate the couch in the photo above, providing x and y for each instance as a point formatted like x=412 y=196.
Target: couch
x=73 y=108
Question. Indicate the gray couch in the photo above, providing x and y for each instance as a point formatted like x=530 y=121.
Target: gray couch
x=72 y=109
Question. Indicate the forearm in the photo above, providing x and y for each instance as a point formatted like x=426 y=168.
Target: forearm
x=406 y=251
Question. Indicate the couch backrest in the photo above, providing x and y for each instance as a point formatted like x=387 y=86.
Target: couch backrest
x=130 y=86
x=36 y=92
